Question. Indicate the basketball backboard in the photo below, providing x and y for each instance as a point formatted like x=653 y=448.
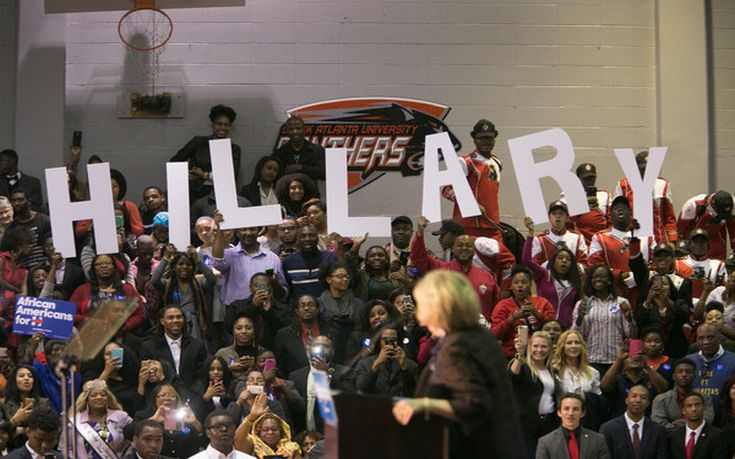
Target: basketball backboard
x=81 y=6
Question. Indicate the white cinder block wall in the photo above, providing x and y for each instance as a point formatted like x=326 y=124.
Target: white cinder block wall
x=723 y=44
x=587 y=66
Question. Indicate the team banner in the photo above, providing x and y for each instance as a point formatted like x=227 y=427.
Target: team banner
x=380 y=134
x=54 y=318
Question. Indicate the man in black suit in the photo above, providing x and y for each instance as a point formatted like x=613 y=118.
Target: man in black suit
x=43 y=426
x=174 y=345
x=300 y=155
x=571 y=440
x=340 y=377
x=697 y=439
x=148 y=440
x=633 y=435
x=11 y=178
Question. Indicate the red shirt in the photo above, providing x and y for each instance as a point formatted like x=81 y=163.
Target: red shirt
x=505 y=331
x=483 y=281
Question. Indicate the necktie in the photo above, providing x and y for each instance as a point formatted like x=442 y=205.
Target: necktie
x=636 y=441
x=690 y=445
x=574 y=447
x=309 y=339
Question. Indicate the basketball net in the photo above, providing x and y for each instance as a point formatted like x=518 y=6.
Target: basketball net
x=145 y=30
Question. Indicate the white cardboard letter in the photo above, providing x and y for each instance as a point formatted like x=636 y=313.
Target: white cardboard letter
x=338 y=215
x=225 y=192
x=434 y=179
x=100 y=209
x=559 y=168
x=177 y=182
x=642 y=208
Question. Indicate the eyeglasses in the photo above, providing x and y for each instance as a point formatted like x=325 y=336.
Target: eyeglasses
x=222 y=426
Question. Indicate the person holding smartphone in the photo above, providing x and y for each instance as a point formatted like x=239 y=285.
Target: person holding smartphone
x=387 y=371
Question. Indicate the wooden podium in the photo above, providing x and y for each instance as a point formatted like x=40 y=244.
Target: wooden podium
x=368 y=430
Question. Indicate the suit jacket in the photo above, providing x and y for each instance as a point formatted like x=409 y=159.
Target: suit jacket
x=710 y=445
x=342 y=379
x=133 y=455
x=554 y=445
x=617 y=435
x=193 y=354
x=23 y=453
x=27 y=182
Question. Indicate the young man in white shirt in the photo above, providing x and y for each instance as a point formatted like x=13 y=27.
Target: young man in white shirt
x=220 y=428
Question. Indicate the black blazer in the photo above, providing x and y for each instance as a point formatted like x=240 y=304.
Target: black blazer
x=27 y=182
x=23 y=453
x=710 y=445
x=193 y=354
x=528 y=395
x=342 y=379
x=617 y=436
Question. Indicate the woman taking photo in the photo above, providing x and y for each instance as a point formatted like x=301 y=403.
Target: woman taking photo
x=22 y=394
x=560 y=282
x=240 y=355
x=265 y=434
x=214 y=385
x=387 y=370
x=535 y=387
x=468 y=385
x=664 y=310
x=186 y=290
x=374 y=315
x=604 y=318
x=261 y=191
x=521 y=308
x=105 y=285
x=121 y=377
x=99 y=423
x=182 y=431
x=338 y=305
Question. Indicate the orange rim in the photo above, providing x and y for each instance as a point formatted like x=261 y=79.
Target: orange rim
x=148 y=48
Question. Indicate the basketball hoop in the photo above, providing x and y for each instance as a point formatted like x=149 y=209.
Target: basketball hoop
x=145 y=27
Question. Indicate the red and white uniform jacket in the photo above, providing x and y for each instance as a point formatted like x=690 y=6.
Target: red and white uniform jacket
x=697 y=212
x=483 y=176
x=664 y=216
x=699 y=270
x=612 y=247
x=492 y=256
x=594 y=221
x=545 y=245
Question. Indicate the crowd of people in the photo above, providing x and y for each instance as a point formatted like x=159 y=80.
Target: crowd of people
x=585 y=340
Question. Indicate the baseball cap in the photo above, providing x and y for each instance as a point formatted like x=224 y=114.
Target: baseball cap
x=401 y=220
x=722 y=202
x=161 y=218
x=449 y=226
x=620 y=199
x=663 y=248
x=699 y=232
x=483 y=126
x=682 y=248
x=586 y=170
x=558 y=205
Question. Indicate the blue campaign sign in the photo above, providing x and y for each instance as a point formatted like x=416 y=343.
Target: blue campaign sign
x=54 y=318
x=324 y=397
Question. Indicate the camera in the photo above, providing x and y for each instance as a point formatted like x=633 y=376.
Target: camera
x=318 y=351
x=255 y=390
x=390 y=342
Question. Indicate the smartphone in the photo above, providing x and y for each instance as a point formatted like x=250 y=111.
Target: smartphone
x=76 y=139
x=262 y=286
x=635 y=346
x=119 y=221
x=255 y=390
x=268 y=365
x=269 y=272
x=523 y=336
x=28 y=401
x=174 y=419
x=117 y=353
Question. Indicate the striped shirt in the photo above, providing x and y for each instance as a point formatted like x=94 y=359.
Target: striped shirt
x=604 y=327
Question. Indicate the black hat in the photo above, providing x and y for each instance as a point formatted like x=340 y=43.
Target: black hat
x=402 y=220
x=449 y=226
x=699 y=232
x=722 y=203
x=663 y=248
x=620 y=199
x=586 y=170
x=483 y=126
x=682 y=248
x=559 y=205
